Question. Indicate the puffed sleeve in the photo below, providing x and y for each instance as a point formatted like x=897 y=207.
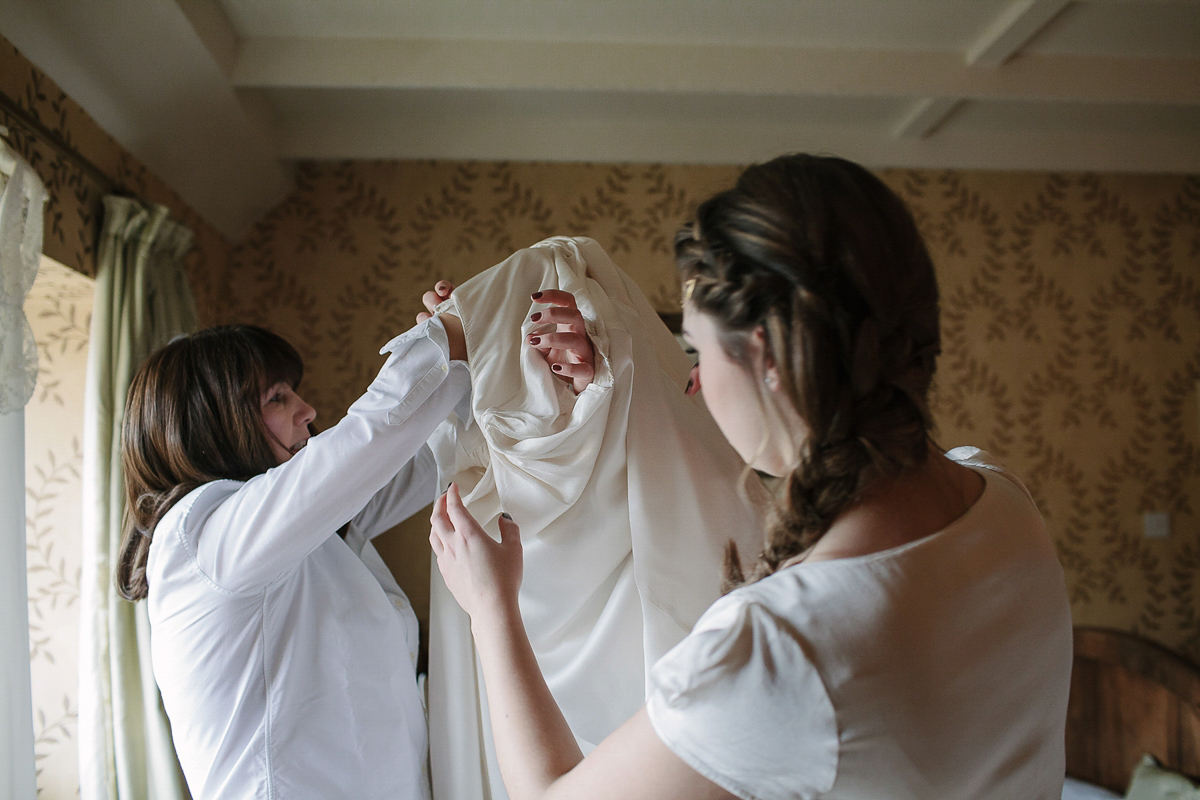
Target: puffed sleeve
x=742 y=704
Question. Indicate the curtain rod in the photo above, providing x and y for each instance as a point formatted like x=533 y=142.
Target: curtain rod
x=38 y=130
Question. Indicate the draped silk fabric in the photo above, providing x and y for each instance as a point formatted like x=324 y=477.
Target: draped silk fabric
x=625 y=494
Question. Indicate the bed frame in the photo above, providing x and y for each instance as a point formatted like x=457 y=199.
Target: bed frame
x=1129 y=697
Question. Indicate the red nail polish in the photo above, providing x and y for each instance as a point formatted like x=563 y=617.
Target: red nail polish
x=534 y=317
x=556 y=367
x=536 y=295
x=535 y=340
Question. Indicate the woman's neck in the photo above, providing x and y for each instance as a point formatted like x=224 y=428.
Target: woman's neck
x=900 y=510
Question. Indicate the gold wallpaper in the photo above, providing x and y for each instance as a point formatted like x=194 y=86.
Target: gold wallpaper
x=1071 y=307
x=72 y=227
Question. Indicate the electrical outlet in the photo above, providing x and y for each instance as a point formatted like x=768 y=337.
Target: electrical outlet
x=1156 y=524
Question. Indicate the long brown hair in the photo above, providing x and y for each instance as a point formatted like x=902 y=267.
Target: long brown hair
x=828 y=261
x=193 y=415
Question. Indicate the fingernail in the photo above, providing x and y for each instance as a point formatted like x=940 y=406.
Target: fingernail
x=535 y=316
x=506 y=515
x=556 y=367
x=535 y=340
x=536 y=295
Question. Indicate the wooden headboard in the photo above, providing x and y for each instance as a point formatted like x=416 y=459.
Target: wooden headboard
x=1129 y=697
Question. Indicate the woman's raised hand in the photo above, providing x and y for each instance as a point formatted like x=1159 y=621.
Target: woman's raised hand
x=430 y=299
x=561 y=338
x=483 y=575
x=453 y=325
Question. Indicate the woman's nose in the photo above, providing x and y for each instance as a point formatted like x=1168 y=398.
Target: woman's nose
x=307 y=414
x=693 y=384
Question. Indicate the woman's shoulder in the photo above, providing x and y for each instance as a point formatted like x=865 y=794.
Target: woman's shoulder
x=983 y=461
x=787 y=602
x=193 y=508
x=173 y=545
x=743 y=639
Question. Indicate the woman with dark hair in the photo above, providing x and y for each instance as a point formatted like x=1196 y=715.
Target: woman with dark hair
x=283 y=647
x=904 y=632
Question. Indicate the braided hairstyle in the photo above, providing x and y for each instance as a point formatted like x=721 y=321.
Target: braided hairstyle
x=827 y=261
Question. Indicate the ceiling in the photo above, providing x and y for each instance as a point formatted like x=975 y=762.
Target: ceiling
x=218 y=96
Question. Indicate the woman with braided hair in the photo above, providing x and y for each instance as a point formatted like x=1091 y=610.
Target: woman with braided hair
x=904 y=632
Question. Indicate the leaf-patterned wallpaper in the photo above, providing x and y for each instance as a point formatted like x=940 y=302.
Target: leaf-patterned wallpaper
x=59 y=309
x=1071 y=307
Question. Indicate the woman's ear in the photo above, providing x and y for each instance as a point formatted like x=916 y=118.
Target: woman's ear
x=761 y=356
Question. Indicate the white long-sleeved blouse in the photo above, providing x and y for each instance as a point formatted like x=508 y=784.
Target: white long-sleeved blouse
x=285 y=653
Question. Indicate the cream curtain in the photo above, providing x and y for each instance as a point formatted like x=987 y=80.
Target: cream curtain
x=142 y=300
x=22 y=198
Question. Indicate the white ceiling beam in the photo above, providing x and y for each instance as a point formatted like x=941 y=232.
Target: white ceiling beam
x=214 y=29
x=568 y=137
x=1003 y=39
x=362 y=64
x=925 y=116
x=216 y=32
x=1012 y=30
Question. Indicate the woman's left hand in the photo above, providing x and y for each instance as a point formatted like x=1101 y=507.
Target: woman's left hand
x=562 y=339
x=483 y=575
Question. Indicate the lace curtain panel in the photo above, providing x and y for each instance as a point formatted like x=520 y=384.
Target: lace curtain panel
x=22 y=199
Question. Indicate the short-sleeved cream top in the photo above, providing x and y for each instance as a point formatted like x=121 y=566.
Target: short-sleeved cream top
x=933 y=671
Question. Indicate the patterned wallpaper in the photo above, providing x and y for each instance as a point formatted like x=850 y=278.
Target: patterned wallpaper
x=59 y=309
x=73 y=212
x=1071 y=308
